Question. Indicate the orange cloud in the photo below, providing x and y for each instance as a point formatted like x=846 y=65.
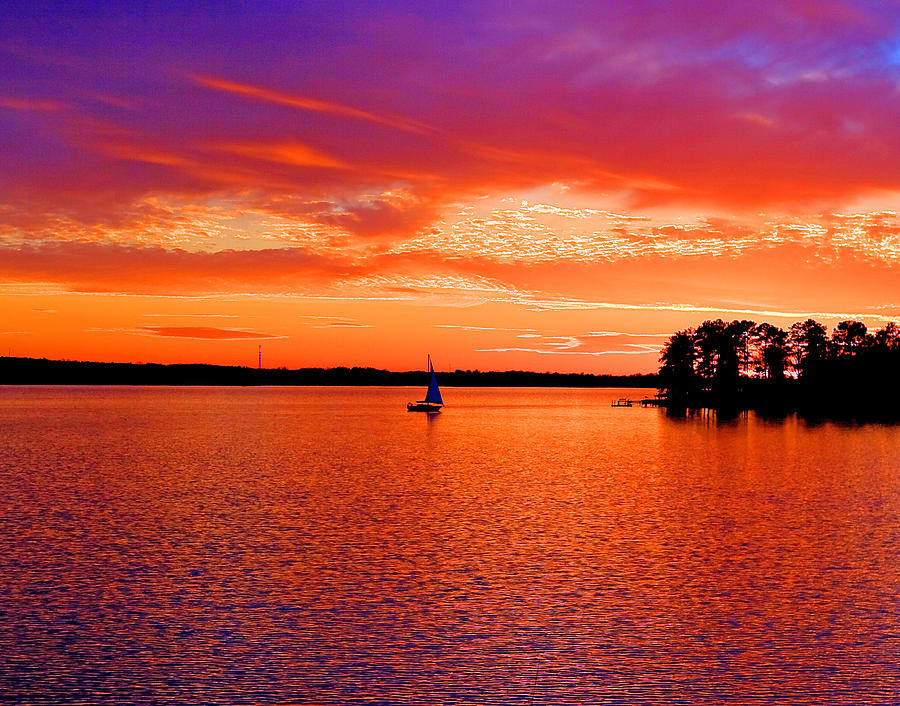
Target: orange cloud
x=108 y=267
x=138 y=153
x=293 y=153
x=295 y=101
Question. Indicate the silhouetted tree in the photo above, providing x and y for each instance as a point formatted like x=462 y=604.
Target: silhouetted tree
x=678 y=357
x=849 y=338
x=707 y=342
x=808 y=344
x=742 y=332
x=730 y=345
x=887 y=338
x=772 y=345
x=717 y=357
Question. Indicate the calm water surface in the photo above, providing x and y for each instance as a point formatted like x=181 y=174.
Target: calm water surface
x=325 y=546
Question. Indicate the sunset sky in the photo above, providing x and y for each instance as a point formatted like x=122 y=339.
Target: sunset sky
x=503 y=185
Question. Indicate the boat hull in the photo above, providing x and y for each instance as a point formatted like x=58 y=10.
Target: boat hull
x=422 y=407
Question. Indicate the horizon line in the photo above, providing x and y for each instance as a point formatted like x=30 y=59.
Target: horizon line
x=333 y=367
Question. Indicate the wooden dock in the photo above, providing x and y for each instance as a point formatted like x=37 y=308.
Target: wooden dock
x=653 y=402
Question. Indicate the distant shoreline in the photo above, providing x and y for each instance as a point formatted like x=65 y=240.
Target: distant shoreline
x=42 y=371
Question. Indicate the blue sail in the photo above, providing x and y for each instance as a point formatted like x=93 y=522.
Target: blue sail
x=434 y=394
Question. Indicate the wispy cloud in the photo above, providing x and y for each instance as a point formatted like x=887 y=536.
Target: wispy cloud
x=30 y=104
x=574 y=344
x=317 y=321
x=545 y=351
x=111 y=267
x=269 y=95
x=564 y=305
x=194 y=316
x=527 y=234
x=616 y=334
x=206 y=333
x=292 y=153
x=297 y=272
x=482 y=328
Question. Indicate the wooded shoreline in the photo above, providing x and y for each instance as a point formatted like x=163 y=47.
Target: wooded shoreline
x=41 y=371
x=741 y=365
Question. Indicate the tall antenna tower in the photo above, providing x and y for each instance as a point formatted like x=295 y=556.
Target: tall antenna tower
x=259 y=359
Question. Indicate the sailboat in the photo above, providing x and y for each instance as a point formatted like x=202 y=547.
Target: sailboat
x=432 y=401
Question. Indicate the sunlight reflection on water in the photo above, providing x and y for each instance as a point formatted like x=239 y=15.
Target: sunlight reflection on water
x=523 y=546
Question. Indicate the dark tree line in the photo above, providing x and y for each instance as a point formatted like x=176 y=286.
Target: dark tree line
x=745 y=364
x=40 y=371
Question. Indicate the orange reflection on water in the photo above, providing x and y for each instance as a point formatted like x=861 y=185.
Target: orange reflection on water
x=326 y=546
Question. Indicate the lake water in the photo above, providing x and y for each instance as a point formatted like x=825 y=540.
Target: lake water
x=527 y=546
